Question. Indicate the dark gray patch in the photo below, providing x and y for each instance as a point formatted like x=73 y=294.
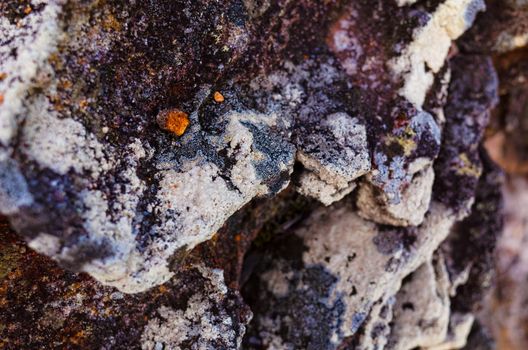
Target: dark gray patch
x=306 y=318
x=276 y=151
x=390 y=240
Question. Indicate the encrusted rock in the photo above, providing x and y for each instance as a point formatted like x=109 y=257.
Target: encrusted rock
x=276 y=174
x=421 y=313
x=335 y=279
x=96 y=182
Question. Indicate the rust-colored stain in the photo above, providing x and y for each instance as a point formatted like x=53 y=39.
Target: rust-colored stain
x=111 y=23
x=218 y=97
x=174 y=120
x=83 y=104
x=2 y=76
x=1 y=99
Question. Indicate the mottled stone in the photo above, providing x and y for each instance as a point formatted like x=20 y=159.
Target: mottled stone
x=503 y=27
x=43 y=306
x=337 y=276
x=322 y=159
x=115 y=173
x=421 y=313
x=472 y=94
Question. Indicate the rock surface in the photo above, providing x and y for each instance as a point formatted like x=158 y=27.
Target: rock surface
x=276 y=174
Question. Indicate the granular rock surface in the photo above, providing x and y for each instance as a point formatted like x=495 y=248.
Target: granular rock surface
x=254 y=174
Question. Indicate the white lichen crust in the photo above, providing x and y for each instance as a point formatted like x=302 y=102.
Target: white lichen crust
x=202 y=324
x=120 y=205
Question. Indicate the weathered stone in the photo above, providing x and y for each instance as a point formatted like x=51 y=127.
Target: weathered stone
x=323 y=159
x=421 y=313
x=472 y=94
x=42 y=306
x=94 y=182
x=337 y=276
x=503 y=27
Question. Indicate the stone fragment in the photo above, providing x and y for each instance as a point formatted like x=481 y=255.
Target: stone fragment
x=473 y=92
x=403 y=127
x=411 y=209
x=426 y=53
x=151 y=145
x=421 y=313
x=311 y=185
x=75 y=311
x=122 y=200
x=502 y=28
x=337 y=154
x=200 y=325
x=335 y=279
x=90 y=179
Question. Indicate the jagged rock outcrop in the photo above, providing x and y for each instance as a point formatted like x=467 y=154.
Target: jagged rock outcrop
x=271 y=174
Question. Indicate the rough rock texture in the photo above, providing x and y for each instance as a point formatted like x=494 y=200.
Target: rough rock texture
x=275 y=174
x=503 y=28
x=194 y=310
x=127 y=195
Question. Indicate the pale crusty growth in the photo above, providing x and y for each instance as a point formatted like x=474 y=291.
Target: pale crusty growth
x=421 y=312
x=346 y=232
x=198 y=326
x=61 y=144
x=125 y=259
x=209 y=201
x=311 y=185
x=410 y=211
x=377 y=327
x=35 y=38
x=426 y=54
x=333 y=174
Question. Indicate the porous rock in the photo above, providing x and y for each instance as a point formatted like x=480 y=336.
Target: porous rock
x=125 y=195
x=323 y=159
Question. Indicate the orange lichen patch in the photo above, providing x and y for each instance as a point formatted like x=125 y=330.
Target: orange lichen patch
x=78 y=337
x=2 y=76
x=111 y=23
x=28 y=10
x=65 y=84
x=83 y=104
x=174 y=120
x=1 y=99
x=218 y=97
